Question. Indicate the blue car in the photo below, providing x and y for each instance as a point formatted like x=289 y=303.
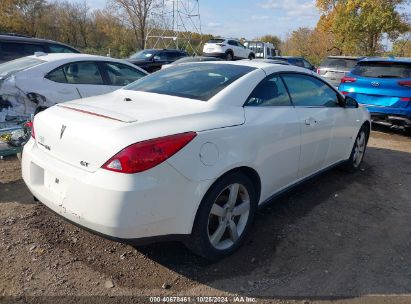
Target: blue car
x=383 y=85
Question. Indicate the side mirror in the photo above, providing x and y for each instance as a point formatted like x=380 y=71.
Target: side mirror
x=350 y=102
x=347 y=102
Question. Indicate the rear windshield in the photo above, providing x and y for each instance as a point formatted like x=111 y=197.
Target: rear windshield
x=339 y=63
x=216 y=40
x=11 y=67
x=383 y=69
x=196 y=81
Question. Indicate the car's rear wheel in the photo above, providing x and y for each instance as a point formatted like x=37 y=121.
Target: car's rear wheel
x=251 y=56
x=229 y=56
x=224 y=217
x=358 y=150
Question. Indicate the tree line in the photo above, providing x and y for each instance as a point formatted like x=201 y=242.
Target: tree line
x=346 y=27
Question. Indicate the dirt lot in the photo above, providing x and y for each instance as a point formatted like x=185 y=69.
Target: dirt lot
x=341 y=238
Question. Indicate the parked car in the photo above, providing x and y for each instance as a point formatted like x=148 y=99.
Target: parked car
x=297 y=61
x=336 y=67
x=262 y=49
x=32 y=83
x=229 y=49
x=190 y=59
x=152 y=60
x=383 y=85
x=14 y=46
x=189 y=153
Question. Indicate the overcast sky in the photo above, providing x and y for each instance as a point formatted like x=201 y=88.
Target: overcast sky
x=250 y=19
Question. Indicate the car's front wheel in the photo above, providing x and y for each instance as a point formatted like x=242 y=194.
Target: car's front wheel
x=224 y=217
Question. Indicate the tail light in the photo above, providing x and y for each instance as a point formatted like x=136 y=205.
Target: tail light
x=405 y=83
x=30 y=125
x=147 y=154
x=318 y=71
x=405 y=99
x=345 y=92
x=347 y=79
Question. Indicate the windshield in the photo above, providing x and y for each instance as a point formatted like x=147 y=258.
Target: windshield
x=339 y=63
x=11 y=67
x=196 y=81
x=383 y=69
x=145 y=54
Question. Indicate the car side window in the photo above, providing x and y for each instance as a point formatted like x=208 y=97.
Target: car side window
x=83 y=73
x=308 y=91
x=12 y=50
x=269 y=92
x=55 y=48
x=121 y=74
x=307 y=65
x=232 y=42
x=57 y=75
x=161 y=56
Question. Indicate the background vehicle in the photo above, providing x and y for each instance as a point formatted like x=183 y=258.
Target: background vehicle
x=262 y=49
x=14 y=46
x=190 y=59
x=335 y=67
x=297 y=61
x=229 y=49
x=152 y=60
x=383 y=85
x=201 y=146
x=31 y=83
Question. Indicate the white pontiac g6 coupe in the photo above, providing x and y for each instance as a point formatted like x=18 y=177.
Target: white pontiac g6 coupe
x=190 y=152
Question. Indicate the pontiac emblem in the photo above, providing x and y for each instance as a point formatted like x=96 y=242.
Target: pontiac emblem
x=375 y=84
x=63 y=128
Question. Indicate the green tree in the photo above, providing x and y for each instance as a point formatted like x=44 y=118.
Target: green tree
x=358 y=26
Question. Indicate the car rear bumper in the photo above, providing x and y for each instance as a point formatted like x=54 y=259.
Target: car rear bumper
x=157 y=202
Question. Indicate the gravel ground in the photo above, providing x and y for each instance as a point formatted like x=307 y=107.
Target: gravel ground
x=340 y=238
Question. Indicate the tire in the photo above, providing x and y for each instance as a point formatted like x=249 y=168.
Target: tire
x=229 y=56
x=217 y=231
x=358 y=150
x=251 y=56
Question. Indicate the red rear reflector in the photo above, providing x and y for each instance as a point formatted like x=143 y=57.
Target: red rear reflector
x=30 y=125
x=345 y=93
x=405 y=99
x=347 y=79
x=147 y=154
x=405 y=83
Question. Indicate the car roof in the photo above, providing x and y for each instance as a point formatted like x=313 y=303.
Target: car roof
x=27 y=39
x=346 y=57
x=63 y=56
x=265 y=66
x=387 y=59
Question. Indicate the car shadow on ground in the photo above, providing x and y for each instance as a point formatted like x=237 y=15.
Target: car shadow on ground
x=339 y=235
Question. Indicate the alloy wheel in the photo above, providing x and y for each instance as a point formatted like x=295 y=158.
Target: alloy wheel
x=359 y=149
x=228 y=216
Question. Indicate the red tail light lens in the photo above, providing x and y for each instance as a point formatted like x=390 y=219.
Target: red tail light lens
x=347 y=79
x=405 y=99
x=318 y=71
x=30 y=125
x=405 y=83
x=345 y=93
x=147 y=154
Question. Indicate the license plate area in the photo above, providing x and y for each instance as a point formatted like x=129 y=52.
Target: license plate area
x=55 y=184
